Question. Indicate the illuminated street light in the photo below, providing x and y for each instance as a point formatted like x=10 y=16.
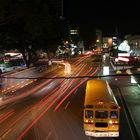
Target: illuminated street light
x=97 y=41
x=110 y=41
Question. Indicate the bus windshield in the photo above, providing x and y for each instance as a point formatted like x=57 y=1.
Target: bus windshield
x=101 y=114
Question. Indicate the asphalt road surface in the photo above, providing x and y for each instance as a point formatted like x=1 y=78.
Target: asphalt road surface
x=53 y=108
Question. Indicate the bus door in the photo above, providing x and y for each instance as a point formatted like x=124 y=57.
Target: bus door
x=88 y=119
x=114 y=120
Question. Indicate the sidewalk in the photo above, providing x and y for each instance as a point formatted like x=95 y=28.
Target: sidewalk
x=132 y=101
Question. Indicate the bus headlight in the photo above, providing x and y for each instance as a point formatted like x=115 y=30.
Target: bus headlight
x=89 y=121
x=86 y=121
x=110 y=122
x=113 y=122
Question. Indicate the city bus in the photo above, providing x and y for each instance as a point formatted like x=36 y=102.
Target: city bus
x=101 y=110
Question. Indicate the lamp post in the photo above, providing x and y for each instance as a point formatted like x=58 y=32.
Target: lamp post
x=116 y=60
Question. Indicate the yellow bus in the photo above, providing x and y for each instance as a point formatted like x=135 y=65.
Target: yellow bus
x=101 y=110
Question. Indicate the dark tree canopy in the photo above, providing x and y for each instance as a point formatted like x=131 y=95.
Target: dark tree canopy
x=25 y=23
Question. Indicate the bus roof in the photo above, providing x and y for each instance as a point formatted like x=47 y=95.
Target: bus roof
x=98 y=91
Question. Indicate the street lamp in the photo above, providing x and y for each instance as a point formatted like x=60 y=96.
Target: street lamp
x=97 y=41
x=116 y=60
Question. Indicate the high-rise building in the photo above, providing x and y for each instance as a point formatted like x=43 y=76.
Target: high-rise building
x=56 y=8
x=74 y=33
x=99 y=38
x=56 y=12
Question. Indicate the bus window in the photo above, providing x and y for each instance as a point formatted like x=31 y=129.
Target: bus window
x=113 y=114
x=100 y=114
x=88 y=114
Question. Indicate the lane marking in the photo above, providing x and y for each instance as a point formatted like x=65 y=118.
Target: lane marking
x=48 y=135
x=3 y=136
x=67 y=105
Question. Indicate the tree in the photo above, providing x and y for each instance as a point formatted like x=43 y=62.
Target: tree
x=26 y=25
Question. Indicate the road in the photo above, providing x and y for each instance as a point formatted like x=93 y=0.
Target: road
x=54 y=109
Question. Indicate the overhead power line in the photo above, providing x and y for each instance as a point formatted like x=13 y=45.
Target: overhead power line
x=71 y=77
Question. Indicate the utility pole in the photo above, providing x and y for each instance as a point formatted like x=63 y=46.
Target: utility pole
x=116 y=31
x=61 y=3
x=62 y=14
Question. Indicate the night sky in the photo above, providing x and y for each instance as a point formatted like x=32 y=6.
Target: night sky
x=105 y=15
